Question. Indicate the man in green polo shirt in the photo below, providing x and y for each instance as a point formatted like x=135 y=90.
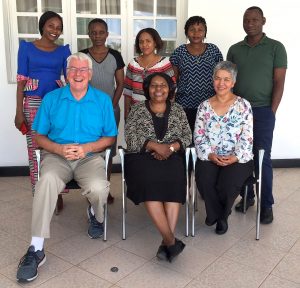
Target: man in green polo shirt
x=262 y=64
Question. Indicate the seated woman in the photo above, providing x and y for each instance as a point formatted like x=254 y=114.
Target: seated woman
x=223 y=139
x=157 y=131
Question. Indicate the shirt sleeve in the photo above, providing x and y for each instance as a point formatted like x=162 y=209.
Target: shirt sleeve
x=119 y=58
x=22 y=60
x=174 y=58
x=244 y=145
x=135 y=135
x=280 y=60
x=110 y=127
x=201 y=139
x=186 y=133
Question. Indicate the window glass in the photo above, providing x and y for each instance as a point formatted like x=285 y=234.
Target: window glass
x=28 y=25
x=167 y=28
x=114 y=44
x=86 y=7
x=83 y=43
x=141 y=24
x=168 y=48
x=143 y=7
x=114 y=27
x=166 y=8
x=26 y=6
x=110 y=7
x=51 y=5
x=82 y=25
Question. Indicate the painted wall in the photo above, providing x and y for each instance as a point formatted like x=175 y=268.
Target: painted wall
x=224 y=23
x=224 y=19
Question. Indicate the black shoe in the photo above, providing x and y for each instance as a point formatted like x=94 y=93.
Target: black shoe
x=174 y=250
x=29 y=263
x=210 y=223
x=162 y=253
x=222 y=226
x=266 y=215
x=239 y=207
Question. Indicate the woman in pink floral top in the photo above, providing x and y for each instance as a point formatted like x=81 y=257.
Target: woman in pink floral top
x=223 y=139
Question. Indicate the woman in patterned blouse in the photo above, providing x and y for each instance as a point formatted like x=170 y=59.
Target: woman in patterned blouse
x=223 y=139
x=148 y=44
x=156 y=133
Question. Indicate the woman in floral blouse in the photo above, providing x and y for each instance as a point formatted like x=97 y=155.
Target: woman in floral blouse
x=223 y=139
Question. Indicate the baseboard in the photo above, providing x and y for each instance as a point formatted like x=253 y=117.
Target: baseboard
x=12 y=171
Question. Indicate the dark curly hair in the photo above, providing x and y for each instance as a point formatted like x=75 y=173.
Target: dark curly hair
x=194 y=20
x=45 y=17
x=148 y=80
x=154 y=34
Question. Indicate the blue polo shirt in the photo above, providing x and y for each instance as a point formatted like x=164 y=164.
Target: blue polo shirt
x=64 y=120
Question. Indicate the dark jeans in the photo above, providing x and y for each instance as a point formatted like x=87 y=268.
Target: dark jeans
x=219 y=186
x=263 y=127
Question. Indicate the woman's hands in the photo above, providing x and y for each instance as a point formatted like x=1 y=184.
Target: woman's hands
x=159 y=151
x=222 y=160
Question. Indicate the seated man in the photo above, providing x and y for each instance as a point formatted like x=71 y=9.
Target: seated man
x=73 y=125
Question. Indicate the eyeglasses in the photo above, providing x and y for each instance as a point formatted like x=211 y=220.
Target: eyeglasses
x=75 y=70
x=161 y=86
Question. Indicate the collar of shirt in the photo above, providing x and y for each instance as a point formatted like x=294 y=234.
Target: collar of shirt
x=261 y=42
x=88 y=97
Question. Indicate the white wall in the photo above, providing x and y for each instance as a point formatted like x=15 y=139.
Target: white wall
x=224 y=23
x=224 y=19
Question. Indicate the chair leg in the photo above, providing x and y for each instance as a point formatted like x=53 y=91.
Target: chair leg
x=105 y=222
x=245 y=199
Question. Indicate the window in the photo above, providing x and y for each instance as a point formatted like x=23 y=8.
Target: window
x=124 y=18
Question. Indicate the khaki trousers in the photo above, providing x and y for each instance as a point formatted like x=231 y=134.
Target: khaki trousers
x=55 y=172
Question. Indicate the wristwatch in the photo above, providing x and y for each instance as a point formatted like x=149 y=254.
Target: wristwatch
x=172 y=148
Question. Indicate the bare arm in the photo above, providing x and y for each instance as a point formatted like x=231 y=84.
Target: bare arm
x=119 y=77
x=176 y=72
x=19 y=118
x=278 y=86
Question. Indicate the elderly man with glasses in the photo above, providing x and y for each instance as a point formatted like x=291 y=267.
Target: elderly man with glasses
x=73 y=125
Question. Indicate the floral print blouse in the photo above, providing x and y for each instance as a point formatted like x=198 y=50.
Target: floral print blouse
x=230 y=134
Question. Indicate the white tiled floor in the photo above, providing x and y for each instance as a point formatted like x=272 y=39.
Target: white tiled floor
x=235 y=259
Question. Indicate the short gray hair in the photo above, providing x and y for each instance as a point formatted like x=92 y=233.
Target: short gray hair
x=227 y=66
x=80 y=56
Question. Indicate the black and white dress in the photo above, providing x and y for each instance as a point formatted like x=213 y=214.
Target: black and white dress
x=149 y=179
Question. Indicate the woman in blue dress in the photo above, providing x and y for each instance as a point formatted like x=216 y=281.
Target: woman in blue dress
x=40 y=65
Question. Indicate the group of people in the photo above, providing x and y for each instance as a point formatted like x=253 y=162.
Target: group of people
x=226 y=109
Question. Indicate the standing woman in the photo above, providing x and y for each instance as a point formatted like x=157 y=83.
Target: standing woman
x=108 y=72
x=193 y=64
x=40 y=65
x=147 y=44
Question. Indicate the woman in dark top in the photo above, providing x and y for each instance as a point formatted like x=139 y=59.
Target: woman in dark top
x=156 y=133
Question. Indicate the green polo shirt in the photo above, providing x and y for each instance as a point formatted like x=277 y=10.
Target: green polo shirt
x=255 y=69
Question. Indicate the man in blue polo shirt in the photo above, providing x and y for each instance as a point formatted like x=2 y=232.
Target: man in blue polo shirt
x=73 y=125
x=262 y=64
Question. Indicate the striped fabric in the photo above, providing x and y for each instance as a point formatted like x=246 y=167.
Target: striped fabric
x=31 y=105
x=136 y=74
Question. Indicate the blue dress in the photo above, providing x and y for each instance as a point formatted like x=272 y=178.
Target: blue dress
x=41 y=69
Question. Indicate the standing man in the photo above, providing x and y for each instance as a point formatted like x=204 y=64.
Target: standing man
x=262 y=64
x=72 y=125
x=108 y=73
